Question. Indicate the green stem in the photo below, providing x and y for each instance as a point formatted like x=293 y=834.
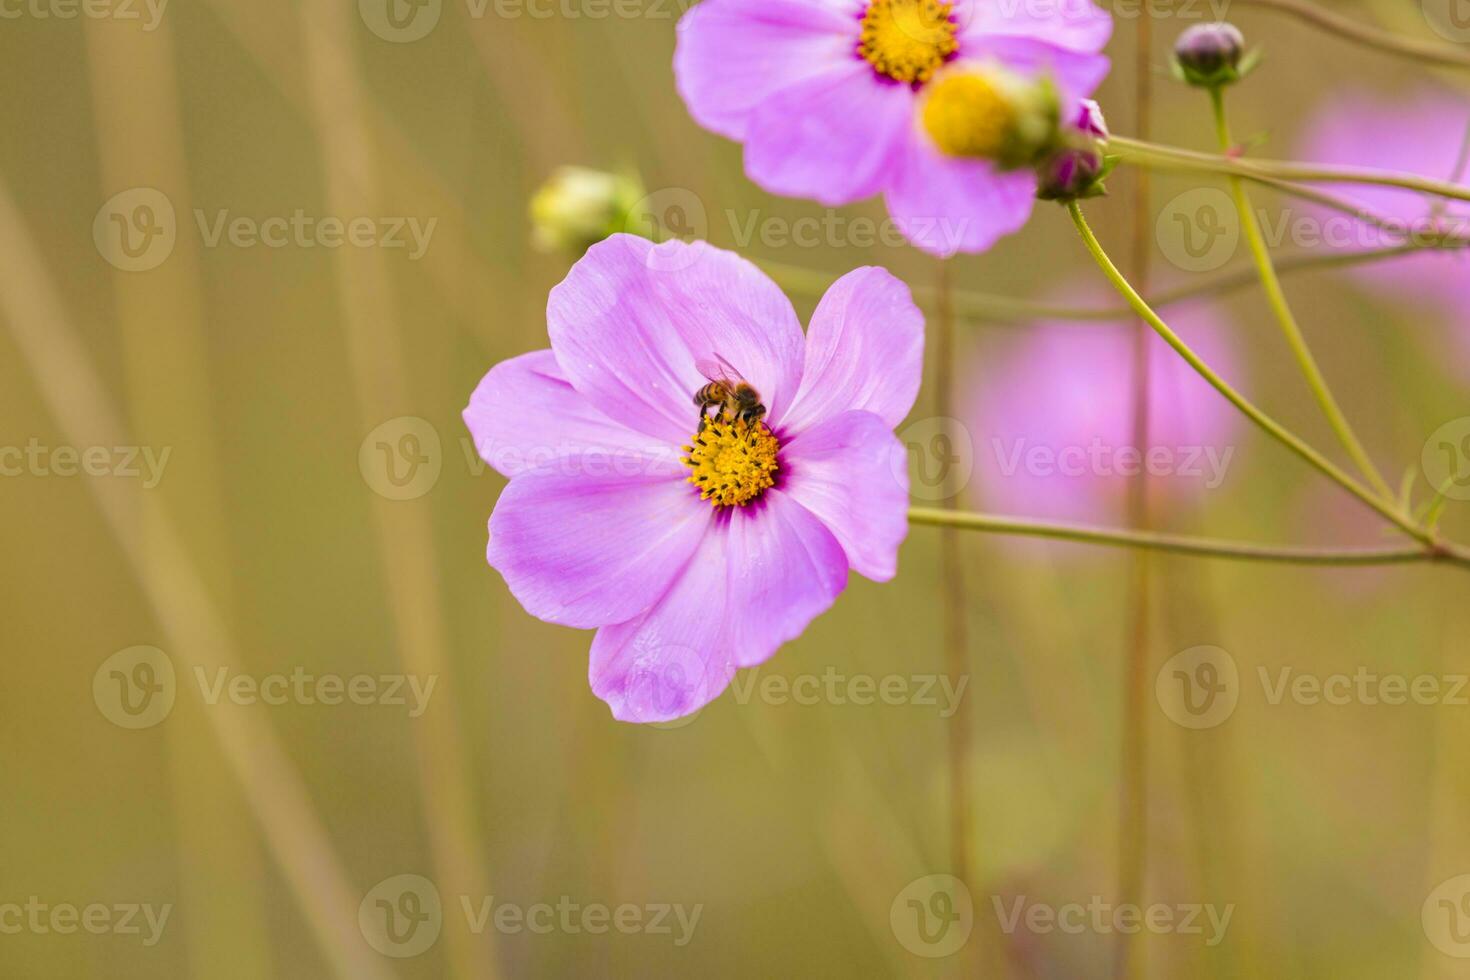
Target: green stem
x=996 y=309
x=1276 y=297
x=1183 y=544
x=1269 y=425
x=1140 y=151
x=1421 y=52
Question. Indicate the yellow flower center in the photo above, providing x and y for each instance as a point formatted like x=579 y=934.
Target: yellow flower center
x=907 y=40
x=733 y=462
x=968 y=115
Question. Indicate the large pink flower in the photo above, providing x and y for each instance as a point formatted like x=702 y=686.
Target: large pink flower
x=827 y=96
x=601 y=526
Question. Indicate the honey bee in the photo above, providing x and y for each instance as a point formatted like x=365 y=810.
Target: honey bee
x=730 y=395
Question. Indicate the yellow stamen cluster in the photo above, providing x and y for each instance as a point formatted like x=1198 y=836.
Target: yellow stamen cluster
x=733 y=462
x=968 y=115
x=908 y=40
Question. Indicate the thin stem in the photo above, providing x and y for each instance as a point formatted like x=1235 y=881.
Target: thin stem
x=1269 y=425
x=952 y=599
x=1133 y=796
x=1143 y=152
x=996 y=309
x=1198 y=547
x=1422 y=52
x=1276 y=298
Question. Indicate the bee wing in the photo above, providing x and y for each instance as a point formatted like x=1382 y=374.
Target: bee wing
x=717 y=369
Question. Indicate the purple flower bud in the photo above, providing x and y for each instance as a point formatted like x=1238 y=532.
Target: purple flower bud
x=1209 y=55
x=1076 y=167
x=1090 y=119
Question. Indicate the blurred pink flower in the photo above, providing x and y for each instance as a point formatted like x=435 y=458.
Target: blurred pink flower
x=1423 y=133
x=827 y=95
x=1050 y=419
x=601 y=525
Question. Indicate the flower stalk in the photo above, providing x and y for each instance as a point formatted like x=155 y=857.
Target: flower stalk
x=1270 y=426
x=1266 y=171
x=1199 y=547
x=1281 y=309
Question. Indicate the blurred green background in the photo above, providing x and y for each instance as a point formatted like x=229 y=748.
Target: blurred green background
x=271 y=546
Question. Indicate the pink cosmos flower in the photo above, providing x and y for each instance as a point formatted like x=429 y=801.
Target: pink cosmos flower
x=1051 y=419
x=695 y=538
x=1422 y=133
x=839 y=100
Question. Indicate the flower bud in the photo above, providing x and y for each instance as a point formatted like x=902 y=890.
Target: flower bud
x=984 y=112
x=1211 y=55
x=1075 y=168
x=578 y=207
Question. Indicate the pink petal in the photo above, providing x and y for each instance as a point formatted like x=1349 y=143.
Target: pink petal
x=585 y=550
x=834 y=137
x=734 y=54
x=672 y=660
x=785 y=569
x=864 y=352
x=524 y=415
x=759 y=577
x=946 y=205
x=852 y=473
x=1076 y=24
x=631 y=319
x=1077 y=74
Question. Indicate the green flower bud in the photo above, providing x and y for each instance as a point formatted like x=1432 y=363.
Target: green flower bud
x=578 y=207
